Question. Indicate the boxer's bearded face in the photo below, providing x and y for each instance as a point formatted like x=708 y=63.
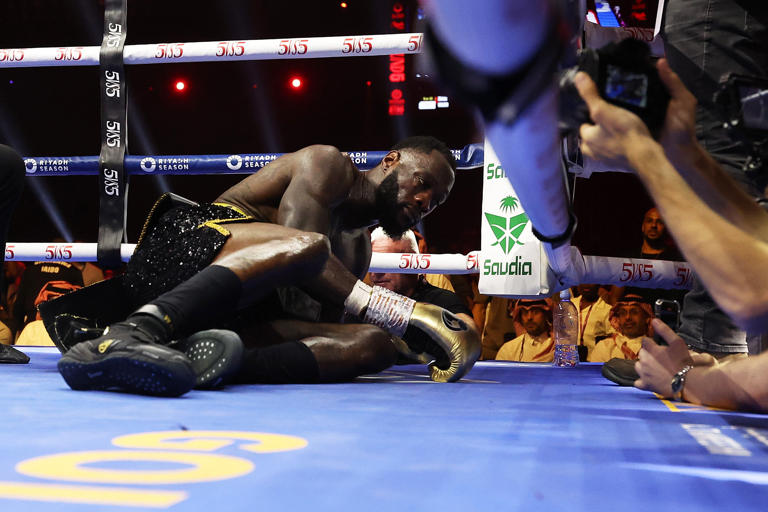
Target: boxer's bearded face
x=391 y=216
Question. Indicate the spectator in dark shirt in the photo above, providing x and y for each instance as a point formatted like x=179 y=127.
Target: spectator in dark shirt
x=657 y=243
x=414 y=286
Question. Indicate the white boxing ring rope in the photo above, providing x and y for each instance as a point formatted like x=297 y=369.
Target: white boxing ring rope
x=600 y=269
x=603 y=270
x=219 y=51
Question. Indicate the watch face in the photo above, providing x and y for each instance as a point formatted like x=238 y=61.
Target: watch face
x=677 y=383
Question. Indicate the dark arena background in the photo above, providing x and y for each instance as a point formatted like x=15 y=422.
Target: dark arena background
x=507 y=437
x=247 y=107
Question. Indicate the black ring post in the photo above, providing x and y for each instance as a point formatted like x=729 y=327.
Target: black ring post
x=113 y=181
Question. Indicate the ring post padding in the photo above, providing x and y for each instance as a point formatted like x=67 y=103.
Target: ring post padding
x=113 y=182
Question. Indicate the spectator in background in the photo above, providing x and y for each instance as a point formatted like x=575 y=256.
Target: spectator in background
x=631 y=317
x=12 y=272
x=491 y=314
x=536 y=343
x=594 y=313
x=36 y=275
x=34 y=332
x=6 y=335
x=439 y=280
x=91 y=272
x=414 y=286
x=657 y=243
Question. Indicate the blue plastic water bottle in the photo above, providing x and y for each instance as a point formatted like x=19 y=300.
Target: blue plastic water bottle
x=565 y=324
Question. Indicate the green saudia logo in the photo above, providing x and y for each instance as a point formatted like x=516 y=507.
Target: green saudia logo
x=507 y=231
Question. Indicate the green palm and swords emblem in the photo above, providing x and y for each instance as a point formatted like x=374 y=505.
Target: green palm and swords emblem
x=507 y=230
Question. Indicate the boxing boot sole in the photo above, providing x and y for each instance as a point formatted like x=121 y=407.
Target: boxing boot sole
x=140 y=369
x=11 y=355
x=620 y=371
x=216 y=356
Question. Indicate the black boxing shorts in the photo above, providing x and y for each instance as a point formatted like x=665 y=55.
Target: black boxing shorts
x=177 y=245
x=179 y=239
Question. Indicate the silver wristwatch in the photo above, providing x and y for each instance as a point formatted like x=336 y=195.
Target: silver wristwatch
x=678 y=382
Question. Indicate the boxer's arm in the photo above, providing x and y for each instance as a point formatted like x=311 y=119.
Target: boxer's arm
x=320 y=179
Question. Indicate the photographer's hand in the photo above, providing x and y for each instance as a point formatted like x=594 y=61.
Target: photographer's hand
x=678 y=136
x=705 y=211
x=741 y=384
x=616 y=130
x=697 y=167
x=657 y=365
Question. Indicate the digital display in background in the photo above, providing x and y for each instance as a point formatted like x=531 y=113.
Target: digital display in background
x=433 y=102
x=623 y=13
x=605 y=17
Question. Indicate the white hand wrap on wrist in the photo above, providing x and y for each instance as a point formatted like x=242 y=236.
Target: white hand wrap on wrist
x=389 y=310
x=358 y=298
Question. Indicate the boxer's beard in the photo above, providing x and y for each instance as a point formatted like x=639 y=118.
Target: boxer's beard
x=387 y=206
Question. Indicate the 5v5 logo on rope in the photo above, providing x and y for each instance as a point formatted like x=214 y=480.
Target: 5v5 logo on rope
x=507 y=230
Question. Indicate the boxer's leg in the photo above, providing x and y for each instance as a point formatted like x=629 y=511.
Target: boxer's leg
x=291 y=351
x=256 y=258
x=129 y=356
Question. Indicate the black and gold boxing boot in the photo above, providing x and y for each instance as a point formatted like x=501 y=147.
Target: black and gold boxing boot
x=216 y=356
x=129 y=357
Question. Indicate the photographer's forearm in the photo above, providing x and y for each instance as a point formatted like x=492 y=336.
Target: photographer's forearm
x=739 y=385
x=726 y=258
x=718 y=190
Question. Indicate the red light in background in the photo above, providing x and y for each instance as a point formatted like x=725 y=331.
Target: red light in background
x=296 y=83
x=368 y=83
x=180 y=85
x=343 y=5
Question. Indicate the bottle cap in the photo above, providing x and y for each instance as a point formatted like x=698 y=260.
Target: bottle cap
x=565 y=294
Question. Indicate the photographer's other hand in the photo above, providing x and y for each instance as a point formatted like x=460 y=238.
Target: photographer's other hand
x=657 y=365
x=678 y=136
x=615 y=131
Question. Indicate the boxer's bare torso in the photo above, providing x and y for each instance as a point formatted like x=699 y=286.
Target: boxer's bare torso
x=315 y=189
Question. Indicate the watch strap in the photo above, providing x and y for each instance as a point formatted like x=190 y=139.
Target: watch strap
x=678 y=382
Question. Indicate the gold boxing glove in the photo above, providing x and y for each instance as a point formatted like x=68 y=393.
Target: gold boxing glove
x=455 y=345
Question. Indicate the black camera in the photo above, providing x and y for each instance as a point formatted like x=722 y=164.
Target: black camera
x=625 y=76
x=742 y=102
x=668 y=311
